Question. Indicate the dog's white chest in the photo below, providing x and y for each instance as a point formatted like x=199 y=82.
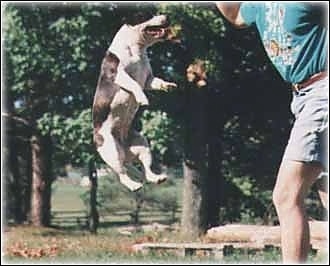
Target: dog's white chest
x=128 y=46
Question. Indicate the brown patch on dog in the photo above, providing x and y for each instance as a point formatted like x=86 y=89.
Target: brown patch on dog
x=98 y=139
x=105 y=91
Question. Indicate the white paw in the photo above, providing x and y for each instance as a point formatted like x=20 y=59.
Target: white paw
x=168 y=85
x=141 y=99
x=156 y=179
x=135 y=187
x=130 y=184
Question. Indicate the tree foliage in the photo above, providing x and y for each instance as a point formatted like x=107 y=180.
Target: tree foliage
x=53 y=55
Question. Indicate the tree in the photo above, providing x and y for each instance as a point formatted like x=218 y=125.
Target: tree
x=38 y=69
x=239 y=124
x=201 y=173
x=194 y=218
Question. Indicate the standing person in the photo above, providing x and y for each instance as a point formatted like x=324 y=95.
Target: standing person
x=296 y=40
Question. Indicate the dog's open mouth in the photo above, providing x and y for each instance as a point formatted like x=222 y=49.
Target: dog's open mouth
x=157 y=31
x=166 y=32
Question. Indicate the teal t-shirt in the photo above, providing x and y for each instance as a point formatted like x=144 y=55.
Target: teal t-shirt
x=294 y=36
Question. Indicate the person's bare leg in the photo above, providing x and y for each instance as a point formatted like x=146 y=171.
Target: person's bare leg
x=292 y=186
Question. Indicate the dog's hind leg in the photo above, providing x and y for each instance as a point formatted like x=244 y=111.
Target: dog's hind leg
x=113 y=154
x=139 y=147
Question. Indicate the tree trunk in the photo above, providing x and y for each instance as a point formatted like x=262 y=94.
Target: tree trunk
x=203 y=181
x=41 y=180
x=27 y=194
x=194 y=211
x=16 y=185
x=94 y=215
x=215 y=179
x=15 y=190
x=214 y=182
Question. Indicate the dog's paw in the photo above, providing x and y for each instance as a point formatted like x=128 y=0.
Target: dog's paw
x=130 y=184
x=157 y=179
x=134 y=186
x=162 y=179
x=137 y=188
x=141 y=99
x=168 y=85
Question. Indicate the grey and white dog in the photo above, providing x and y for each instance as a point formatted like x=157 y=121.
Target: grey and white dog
x=125 y=73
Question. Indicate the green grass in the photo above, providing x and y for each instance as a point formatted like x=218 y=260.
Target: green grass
x=66 y=197
x=26 y=244
x=72 y=244
x=106 y=247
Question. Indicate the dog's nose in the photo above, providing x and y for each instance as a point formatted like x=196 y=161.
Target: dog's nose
x=163 y=19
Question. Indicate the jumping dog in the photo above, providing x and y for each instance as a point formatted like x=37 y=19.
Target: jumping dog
x=125 y=73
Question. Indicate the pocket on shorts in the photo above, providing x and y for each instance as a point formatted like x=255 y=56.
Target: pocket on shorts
x=296 y=104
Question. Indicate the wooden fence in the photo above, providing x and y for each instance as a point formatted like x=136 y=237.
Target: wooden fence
x=81 y=218
x=70 y=218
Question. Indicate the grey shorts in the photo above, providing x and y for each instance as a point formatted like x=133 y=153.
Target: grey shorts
x=308 y=140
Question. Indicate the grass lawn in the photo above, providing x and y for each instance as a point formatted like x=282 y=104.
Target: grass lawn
x=36 y=245
x=67 y=203
x=26 y=244
x=73 y=244
x=66 y=196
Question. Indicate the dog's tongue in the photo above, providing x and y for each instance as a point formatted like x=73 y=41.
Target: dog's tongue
x=161 y=32
x=157 y=32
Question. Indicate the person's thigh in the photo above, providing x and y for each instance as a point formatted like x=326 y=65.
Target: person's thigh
x=308 y=138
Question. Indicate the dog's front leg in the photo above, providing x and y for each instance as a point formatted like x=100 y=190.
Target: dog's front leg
x=135 y=54
x=155 y=83
x=126 y=82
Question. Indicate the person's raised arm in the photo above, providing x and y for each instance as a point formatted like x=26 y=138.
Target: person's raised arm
x=231 y=12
